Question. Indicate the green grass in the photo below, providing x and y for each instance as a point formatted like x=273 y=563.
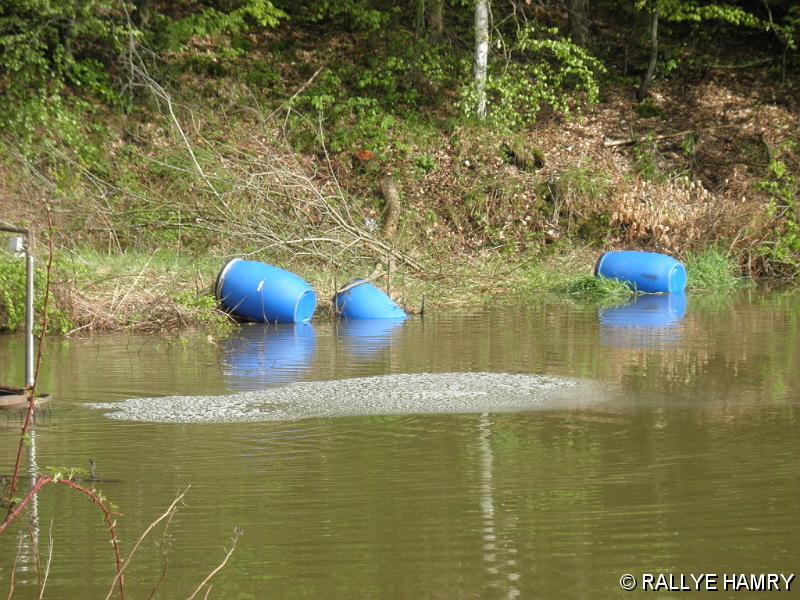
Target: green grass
x=712 y=269
x=589 y=287
x=567 y=272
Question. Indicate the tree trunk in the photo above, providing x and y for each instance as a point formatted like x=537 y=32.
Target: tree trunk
x=481 y=54
x=419 y=18
x=579 y=21
x=141 y=16
x=647 y=79
x=436 y=19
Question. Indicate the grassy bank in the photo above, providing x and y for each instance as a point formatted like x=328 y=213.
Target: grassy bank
x=163 y=290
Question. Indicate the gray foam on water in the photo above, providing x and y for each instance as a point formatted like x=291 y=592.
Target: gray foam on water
x=382 y=395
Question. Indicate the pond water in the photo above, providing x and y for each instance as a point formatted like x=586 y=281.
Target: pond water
x=667 y=443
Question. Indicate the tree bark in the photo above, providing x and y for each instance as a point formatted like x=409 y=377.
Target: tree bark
x=579 y=21
x=141 y=16
x=481 y=54
x=647 y=79
x=391 y=215
x=436 y=19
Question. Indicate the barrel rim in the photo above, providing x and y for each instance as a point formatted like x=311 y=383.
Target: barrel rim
x=297 y=306
x=678 y=266
x=221 y=278
x=599 y=263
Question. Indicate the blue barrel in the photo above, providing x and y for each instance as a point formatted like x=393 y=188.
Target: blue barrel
x=647 y=272
x=255 y=356
x=362 y=300
x=259 y=292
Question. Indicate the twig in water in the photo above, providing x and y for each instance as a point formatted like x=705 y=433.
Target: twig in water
x=237 y=533
x=168 y=513
x=49 y=560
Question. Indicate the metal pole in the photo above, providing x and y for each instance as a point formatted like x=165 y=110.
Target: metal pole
x=29 y=311
x=28 y=300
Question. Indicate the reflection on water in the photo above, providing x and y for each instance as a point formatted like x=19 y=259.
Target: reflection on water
x=366 y=337
x=268 y=354
x=646 y=321
x=691 y=461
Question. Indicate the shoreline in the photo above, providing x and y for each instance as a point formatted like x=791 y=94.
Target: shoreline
x=168 y=291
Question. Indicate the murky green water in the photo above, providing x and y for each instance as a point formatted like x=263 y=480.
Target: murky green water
x=686 y=461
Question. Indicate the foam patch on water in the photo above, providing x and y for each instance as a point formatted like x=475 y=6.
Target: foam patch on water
x=423 y=393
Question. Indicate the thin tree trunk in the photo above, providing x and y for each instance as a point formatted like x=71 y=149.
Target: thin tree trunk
x=647 y=79
x=481 y=53
x=579 y=21
x=436 y=19
x=141 y=17
x=419 y=9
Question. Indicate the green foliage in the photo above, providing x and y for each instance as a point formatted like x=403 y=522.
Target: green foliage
x=205 y=308
x=12 y=299
x=712 y=270
x=580 y=182
x=782 y=251
x=356 y=13
x=425 y=163
x=544 y=70
x=645 y=160
x=67 y=473
x=48 y=47
x=589 y=287
x=174 y=34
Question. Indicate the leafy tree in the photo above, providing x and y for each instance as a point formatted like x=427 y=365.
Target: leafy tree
x=49 y=45
x=714 y=13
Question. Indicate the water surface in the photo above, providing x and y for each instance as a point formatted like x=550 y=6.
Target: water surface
x=687 y=459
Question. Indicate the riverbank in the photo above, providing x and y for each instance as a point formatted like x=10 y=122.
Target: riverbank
x=339 y=151
x=164 y=290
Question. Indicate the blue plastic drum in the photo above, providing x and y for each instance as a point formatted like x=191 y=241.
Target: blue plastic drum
x=647 y=272
x=362 y=300
x=265 y=294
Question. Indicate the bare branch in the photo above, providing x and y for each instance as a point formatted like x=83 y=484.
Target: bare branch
x=237 y=533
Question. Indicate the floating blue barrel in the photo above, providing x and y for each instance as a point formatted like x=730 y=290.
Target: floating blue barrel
x=649 y=321
x=259 y=292
x=362 y=300
x=366 y=337
x=647 y=272
x=259 y=355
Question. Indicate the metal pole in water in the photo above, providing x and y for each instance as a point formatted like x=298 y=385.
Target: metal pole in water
x=29 y=311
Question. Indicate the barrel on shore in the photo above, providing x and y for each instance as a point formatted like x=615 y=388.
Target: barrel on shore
x=259 y=292
x=647 y=272
x=362 y=300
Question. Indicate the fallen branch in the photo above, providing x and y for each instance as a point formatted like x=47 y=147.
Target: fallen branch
x=613 y=143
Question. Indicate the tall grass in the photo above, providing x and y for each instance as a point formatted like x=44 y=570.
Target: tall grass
x=713 y=269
